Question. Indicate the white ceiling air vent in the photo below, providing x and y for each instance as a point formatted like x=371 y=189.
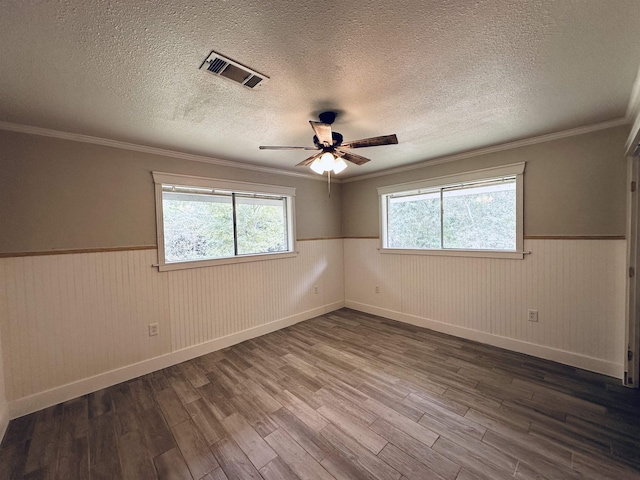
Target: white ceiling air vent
x=225 y=67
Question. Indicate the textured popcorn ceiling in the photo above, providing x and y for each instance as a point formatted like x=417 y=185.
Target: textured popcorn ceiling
x=445 y=76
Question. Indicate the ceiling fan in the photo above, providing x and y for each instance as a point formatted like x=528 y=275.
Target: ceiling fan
x=331 y=157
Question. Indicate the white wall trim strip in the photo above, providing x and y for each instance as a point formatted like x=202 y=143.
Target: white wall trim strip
x=541 y=351
x=495 y=148
x=77 y=137
x=33 y=403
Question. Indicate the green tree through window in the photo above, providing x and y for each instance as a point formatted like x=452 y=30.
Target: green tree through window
x=201 y=226
x=479 y=216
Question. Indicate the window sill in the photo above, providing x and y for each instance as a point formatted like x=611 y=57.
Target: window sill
x=164 y=267
x=509 y=254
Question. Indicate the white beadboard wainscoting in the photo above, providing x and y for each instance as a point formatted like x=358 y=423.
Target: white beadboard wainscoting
x=577 y=286
x=75 y=323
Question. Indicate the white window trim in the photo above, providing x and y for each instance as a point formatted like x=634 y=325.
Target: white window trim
x=162 y=178
x=516 y=169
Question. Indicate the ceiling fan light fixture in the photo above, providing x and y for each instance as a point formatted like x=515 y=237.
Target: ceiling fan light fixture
x=317 y=167
x=339 y=165
x=327 y=160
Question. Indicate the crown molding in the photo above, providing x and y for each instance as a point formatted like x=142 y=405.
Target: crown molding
x=632 y=146
x=495 y=148
x=77 y=137
x=633 y=109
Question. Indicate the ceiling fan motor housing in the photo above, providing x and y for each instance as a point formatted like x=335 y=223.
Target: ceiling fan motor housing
x=328 y=117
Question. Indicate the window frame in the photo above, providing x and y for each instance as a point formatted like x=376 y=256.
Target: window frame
x=446 y=181
x=161 y=179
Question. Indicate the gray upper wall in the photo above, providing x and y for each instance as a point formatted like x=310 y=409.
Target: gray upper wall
x=59 y=194
x=574 y=186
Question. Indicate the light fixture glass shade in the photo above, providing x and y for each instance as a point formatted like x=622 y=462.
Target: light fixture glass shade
x=317 y=167
x=327 y=160
x=339 y=165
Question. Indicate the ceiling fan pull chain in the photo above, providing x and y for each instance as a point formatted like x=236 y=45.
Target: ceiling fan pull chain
x=329 y=182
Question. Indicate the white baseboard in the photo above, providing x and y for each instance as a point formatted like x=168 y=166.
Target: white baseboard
x=38 y=401
x=561 y=356
x=4 y=420
x=330 y=307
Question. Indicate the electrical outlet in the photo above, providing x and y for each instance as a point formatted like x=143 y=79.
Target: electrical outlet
x=533 y=315
x=377 y=288
x=154 y=329
x=315 y=289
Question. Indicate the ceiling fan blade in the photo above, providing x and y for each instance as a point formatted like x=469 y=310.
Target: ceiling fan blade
x=271 y=147
x=309 y=160
x=323 y=132
x=352 y=157
x=372 y=142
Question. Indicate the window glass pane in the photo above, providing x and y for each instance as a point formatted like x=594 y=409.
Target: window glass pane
x=480 y=218
x=197 y=227
x=261 y=224
x=414 y=221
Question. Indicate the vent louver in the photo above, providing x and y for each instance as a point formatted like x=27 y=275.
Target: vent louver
x=222 y=66
x=217 y=65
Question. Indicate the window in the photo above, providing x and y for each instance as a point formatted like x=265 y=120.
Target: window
x=206 y=221
x=477 y=213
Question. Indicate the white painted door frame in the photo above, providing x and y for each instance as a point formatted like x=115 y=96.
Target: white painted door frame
x=632 y=346
x=632 y=330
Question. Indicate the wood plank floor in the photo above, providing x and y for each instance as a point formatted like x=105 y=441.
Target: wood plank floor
x=345 y=396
